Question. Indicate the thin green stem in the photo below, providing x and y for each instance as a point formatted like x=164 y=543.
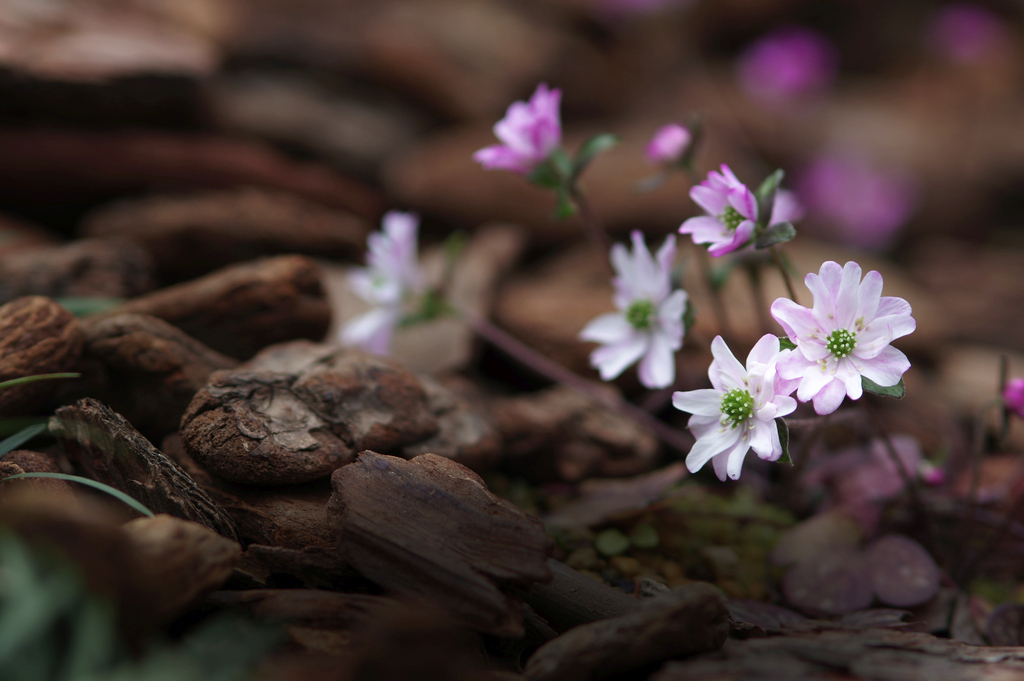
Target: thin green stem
x=595 y=232
x=785 y=273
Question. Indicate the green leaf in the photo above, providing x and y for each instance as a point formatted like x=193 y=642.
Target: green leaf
x=779 y=233
x=453 y=246
x=38 y=377
x=116 y=493
x=644 y=537
x=590 y=149
x=83 y=306
x=897 y=391
x=765 y=195
x=786 y=344
x=611 y=542
x=565 y=208
x=783 y=427
x=11 y=443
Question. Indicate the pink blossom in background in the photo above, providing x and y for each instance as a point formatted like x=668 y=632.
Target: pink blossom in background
x=732 y=213
x=668 y=145
x=529 y=132
x=1013 y=396
x=844 y=337
x=854 y=203
x=787 y=207
x=788 y=62
x=967 y=33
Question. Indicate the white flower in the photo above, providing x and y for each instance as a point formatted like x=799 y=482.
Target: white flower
x=649 y=323
x=392 y=275
x=845 y=336
x=739 y=412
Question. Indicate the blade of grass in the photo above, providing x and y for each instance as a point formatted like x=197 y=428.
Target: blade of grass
x=38 y=377
x=21 y=437
x=116 y=493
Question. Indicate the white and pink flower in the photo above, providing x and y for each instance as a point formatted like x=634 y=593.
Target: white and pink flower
x=391 y=277
x=738 y=413
x=530 y=132
x=668 y=145
x=844 y=337
x=649 y=324
x=732 y=213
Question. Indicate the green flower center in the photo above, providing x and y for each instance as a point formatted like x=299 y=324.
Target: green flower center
x=731 y=218
x=640 y=314
x=841 y=343
x=737 y=405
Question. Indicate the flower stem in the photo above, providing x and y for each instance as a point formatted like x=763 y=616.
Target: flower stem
x=975 y=455
x=595 y=232
x=760 y=303
x=558 y=373
x=716 y=295
x=785 y=273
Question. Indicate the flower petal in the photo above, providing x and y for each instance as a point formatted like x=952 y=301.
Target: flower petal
x=846 y=297
x=828 y=399
x=612 y=360
x=760 y=439
x=869 y=296
x=712 y=442
x=814 y=381
x=703 y=402
x=711 y=200
x=735 y=458
x=886 y=369
x=797 y=321
x=372 y=330
x=731 y=373
x=765 y=351
x=606 y=329
x=658 y=367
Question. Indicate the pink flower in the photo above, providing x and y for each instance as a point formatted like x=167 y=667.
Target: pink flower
x=738 y=413
x=530 y=131
x=844 y=337
x=1013 y=396
x=392 y=275
x=967 y=33
x=649 y=324
x=732 y=213
x=668 y=145
x=859 y=205
x=787 y=207
x=787 y=63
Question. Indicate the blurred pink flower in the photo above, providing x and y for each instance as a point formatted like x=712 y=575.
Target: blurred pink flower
x=856 y=204
x=844 y=337
x=966 y=32
x=530 y=131
x=1013 y=396
x=649 y=324
x=668 y=145
x=788 y=62
x=738 y=413
x=732 y=213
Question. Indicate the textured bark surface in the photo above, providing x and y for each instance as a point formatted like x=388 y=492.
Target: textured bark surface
x=190 y=236
x=180 y=560
x=298 y=411
x=561 y=433
x=110 y=450
x=875 y=654
x=572 y=598
x=240 y=309
x=314 y=567
x=153 y=369
x=690 y=619
x=89 y=267
x=429 y=528
x=37 y=336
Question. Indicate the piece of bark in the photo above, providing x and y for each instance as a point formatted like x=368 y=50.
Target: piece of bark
x=111 y=451
x=690 y=619
x=104 y=268
x=240 y=309
x=180 y=561
x=313 y=567
x=298 y=411
x=37 y=336
x=74 y=165
x=188 y=236
x=563 y=434
x=601 y=499
x=310 y=607
x=572 y=599
x=153 y=369
x=429 y=528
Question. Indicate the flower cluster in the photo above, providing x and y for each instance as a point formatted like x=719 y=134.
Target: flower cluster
x=393 y=275
x=841 y=344
x=649 y=323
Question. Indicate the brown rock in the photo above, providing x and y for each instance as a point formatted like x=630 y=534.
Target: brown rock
x=111 y=451
x=429 y=528
x=34 y=462
x=89 y=267
x=690 y=619
x=297 y=411
x=153 y=369
x=562 y=433
x=239 y=309
x=180 y=560
x=37 y=336
x=192 y=235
